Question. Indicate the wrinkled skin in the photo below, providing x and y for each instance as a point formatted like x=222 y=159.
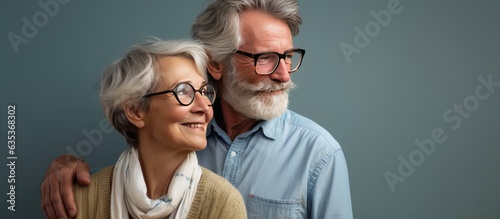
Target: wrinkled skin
x=57 y=199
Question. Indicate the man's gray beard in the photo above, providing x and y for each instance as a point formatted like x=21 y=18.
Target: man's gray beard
x=246 y=98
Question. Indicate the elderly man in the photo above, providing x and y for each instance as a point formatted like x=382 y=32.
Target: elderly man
x=284 y=165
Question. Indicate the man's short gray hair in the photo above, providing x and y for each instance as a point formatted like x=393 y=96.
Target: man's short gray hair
x=127 y=80
x=218 y=26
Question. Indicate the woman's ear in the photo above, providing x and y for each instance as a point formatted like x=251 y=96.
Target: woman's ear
x=134 y=115
x=214 y=69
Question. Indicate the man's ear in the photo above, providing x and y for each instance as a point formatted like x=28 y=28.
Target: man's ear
x=215 y=69
x=134 y=116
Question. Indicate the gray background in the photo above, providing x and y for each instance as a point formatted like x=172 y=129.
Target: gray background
x=394 y=91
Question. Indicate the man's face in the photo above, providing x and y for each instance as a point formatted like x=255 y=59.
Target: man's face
x=259 y=96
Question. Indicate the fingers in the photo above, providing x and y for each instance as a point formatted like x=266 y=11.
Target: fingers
x=51 y=200
x=48 y=210
x=55 y=199
x=66 y=194
x=83 y=173
x=57 y=187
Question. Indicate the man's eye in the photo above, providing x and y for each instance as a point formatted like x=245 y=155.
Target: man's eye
x=265 y=56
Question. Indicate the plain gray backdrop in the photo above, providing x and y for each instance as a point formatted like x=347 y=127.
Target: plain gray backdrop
x=418 y=76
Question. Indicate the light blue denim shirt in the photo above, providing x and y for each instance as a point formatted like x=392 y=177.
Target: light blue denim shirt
x=287 y=167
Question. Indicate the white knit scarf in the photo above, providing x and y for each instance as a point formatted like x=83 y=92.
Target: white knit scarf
x=128 y=194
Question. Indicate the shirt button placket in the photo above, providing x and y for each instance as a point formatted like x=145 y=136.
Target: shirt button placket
x=232 y=162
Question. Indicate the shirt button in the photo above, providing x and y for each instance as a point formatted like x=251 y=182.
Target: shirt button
x=233 y=153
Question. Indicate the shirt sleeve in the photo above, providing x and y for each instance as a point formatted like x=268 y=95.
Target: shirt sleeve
x=329 y=193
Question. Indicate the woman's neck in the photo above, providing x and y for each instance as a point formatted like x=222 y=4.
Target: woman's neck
x=158 y=168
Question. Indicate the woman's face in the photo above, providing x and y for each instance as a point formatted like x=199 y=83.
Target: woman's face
x=169 y=124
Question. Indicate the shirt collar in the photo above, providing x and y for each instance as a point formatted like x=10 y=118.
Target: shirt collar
x=270 y=128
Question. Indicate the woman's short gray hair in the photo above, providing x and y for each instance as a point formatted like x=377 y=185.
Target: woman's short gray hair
x=127 y=80
x=218 y=26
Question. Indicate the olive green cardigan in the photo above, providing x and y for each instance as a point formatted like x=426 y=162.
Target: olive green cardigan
x=215 y=197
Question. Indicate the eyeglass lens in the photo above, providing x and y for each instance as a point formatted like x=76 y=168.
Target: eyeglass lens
x=266 y=63
x=186 y=93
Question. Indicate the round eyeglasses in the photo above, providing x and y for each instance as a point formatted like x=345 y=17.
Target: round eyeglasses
x=267 y=62
x=184 y=93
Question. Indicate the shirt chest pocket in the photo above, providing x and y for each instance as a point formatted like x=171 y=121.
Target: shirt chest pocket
x=262 y=208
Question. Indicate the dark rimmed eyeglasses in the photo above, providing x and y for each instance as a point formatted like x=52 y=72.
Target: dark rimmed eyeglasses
x=185 y=93
x=267 y=62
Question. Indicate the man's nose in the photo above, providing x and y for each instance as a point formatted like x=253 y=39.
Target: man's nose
x=281 y=73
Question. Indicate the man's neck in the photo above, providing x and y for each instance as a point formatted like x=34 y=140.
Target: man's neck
x=231 y=121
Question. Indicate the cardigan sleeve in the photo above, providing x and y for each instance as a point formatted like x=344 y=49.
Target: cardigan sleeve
x=93 y=201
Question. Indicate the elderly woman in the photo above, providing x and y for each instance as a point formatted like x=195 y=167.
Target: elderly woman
x=157 y=96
